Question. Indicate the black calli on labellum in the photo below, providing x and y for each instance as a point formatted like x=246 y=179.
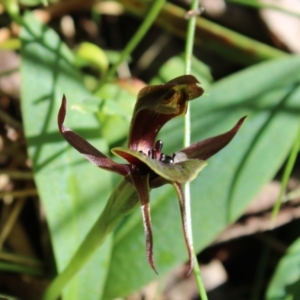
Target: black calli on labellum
x=147 y=167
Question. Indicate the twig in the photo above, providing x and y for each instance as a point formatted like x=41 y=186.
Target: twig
x=17 y=174
x=10 y=222
x=22 y=193
x=25 y=261
x=6 y=118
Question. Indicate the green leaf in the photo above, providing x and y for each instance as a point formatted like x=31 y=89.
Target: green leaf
x=285 y=283
x=94 y=55
x=121 y=202
x=72 y=190
x=269 y=94
x=180 y=172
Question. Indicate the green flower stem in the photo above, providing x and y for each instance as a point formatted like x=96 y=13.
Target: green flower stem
x=209 y=35
x=187 y=140
x=201 y=288
x=188 y=62
x=190 y=34
x=121 y=202
x=150 y=17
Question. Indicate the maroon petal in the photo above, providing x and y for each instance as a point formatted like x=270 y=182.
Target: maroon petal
x=156 y=105
x=85 y=148
x=141 y=184
x=205 y=149
x=188 y=241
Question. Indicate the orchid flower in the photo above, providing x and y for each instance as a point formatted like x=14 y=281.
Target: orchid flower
x=147 y=167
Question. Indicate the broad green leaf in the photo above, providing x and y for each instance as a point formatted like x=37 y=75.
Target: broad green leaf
x=181 y=172
x=73 y=191
x=269 y=94
x=285 y=283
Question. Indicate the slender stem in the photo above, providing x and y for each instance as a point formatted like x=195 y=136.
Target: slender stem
x=121 y=202
x=135 y=40
x=187 y=120
x=199 y=281
x=188 y=63
x=191 y=27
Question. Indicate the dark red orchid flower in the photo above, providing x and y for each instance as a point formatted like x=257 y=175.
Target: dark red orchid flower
x=147 y=166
